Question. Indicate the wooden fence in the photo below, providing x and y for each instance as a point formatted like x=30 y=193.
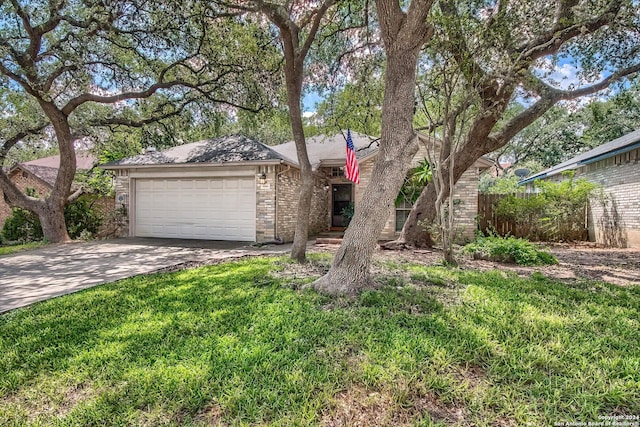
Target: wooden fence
x=530 y=228
x=488 y=221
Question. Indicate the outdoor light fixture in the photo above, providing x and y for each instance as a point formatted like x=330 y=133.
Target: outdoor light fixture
x=262 y=178
x=326 y=186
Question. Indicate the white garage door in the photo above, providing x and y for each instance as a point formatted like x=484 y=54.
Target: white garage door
x=211 y=208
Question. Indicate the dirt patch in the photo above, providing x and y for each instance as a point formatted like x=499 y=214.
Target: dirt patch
x=210 y=415
x=42 y=406
x=361 y=407
x=576 y=262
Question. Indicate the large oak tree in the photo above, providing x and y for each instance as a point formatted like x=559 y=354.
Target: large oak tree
x=404 y=33
x=67 y=66
x=499 y=49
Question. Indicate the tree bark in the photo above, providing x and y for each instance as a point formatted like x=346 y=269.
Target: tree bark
x=294 y=92
x=51 y=212
x=53 y=223
x=349 y=272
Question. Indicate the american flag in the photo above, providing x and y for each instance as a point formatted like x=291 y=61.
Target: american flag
x=351 y=171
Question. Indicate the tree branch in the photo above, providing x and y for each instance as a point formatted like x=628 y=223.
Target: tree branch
x=10 y=142
x=549 y=97
x=551 y=41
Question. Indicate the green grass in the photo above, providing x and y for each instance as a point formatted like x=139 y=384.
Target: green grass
x=7 y=250
x=231 y=343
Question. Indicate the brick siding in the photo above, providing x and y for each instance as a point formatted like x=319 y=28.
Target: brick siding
x=288 y=191
x=614 y=215
x=465 y=200
x=121 y=203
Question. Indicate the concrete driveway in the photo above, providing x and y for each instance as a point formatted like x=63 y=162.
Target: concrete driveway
x=40 y=274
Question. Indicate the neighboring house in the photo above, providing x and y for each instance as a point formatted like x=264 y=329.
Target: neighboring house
x=614 y=219
x=39 y=175
x=235 y=188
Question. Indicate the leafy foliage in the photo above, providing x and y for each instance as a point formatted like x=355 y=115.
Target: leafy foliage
x=22 y=226
x=498 y=185
x=509 y=250
x=565 y=131
x=348 y=212
x=556 y=213
x=414 y=182
x=81 y=217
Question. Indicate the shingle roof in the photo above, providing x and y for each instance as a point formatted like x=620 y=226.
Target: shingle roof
x=234 y=148
x=623 y=144
x=327 y=148
x=84 y=161
x=47 y=168
x=45 y=173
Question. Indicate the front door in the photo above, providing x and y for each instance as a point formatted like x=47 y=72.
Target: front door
x=341 y=199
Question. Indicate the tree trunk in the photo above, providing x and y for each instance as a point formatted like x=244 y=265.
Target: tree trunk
x=53 y=223
x=349 y=272
x=294 y=67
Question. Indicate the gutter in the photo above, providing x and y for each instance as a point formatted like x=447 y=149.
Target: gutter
x=533 y=178
x=198 y=165
x=610 y=154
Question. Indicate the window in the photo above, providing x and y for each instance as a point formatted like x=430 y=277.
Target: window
x=337 y=172
x=402 y=213
x=414 y=182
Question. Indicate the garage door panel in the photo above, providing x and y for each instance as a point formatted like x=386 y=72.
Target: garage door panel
x=215 y=209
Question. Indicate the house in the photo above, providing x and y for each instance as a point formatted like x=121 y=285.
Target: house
x=39 y=176
x=236 y=188
x=614 y=216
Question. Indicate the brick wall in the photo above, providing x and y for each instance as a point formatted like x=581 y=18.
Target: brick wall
x=614 y=217
x=288 y=191
x=23 y=180
x=266 y=204
x=121 y=203
x=465 y=200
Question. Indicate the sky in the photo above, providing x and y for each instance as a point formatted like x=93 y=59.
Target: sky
x=310 y=100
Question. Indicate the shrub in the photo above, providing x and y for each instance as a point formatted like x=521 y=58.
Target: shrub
x=510 y=250
x=556 y=213
x=22 y=226
x=80 y=216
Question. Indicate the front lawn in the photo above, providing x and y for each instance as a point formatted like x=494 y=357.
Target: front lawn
x=238 y=344
x=7 y=250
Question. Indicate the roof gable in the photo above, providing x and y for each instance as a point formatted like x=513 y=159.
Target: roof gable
x=323 y=148
x=84 y=161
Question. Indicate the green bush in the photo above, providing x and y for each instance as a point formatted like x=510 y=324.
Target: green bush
x=80 y=216
x=22 y=226
x=509 y=250
x=556 y=213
